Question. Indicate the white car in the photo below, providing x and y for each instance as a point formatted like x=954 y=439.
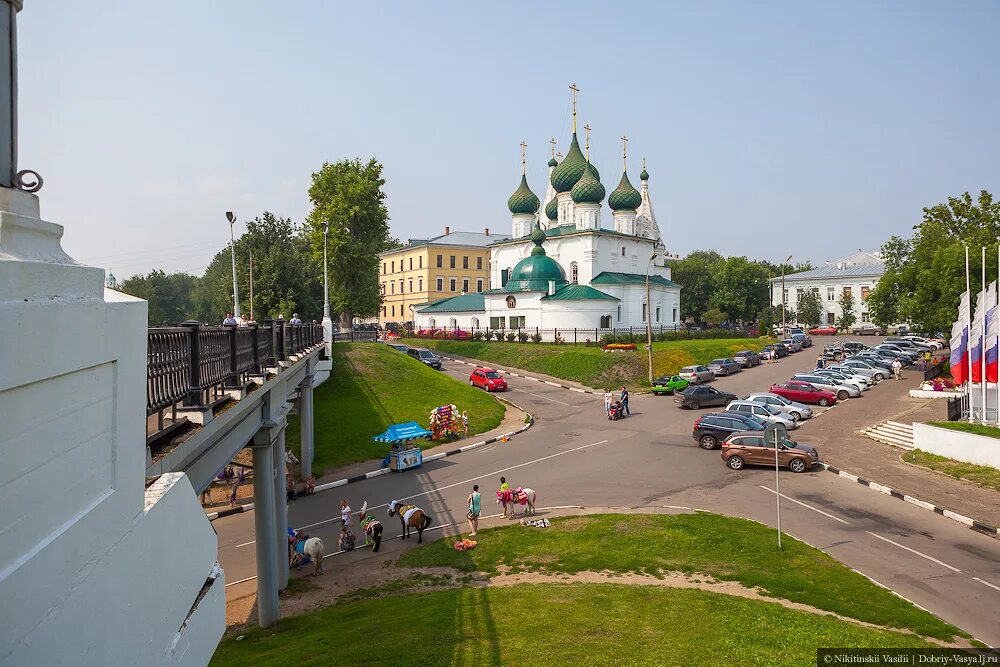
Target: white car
x=926 y=341
x=858 y=381
x=865 y=372
x=768 y=413
x=797 y=410
x=839 y=389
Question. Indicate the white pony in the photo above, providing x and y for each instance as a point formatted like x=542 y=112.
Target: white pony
x=314 y=549
x=524 y=495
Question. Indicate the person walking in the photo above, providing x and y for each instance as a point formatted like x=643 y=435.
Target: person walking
x=345 y=514
x=624 y=400
x=820 y=362
x=505 y=496
x=475 y=507
x=465 y=423
x=897 y=367
x=607 y=401
x=295 y=319
x=229 y=320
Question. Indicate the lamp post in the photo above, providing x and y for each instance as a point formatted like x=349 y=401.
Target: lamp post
x=783 y=327
x=327 y=322
x=649 y=318
x=231 y=217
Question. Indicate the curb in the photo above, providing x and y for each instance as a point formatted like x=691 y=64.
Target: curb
x=525 y=377
x=212 y=516
x=974 y=524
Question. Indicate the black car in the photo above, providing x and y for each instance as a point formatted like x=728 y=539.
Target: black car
x=712 y=428
x=855 y=346
x=747 y=358
x=425 y=356
x=405 y=349
x=778 y=349
x=703 y=396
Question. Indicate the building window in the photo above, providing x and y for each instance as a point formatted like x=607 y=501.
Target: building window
x=830 y=318
x=496 y=323
x=479 y=263
x=382 y=289
x=574 y=273
x=394 y=311
x=606 y=321
x=440 y=261
x=830 y=296
x=452 y=283
x=675 y=315
x=785 y=294
x=410 y=286
x=420 y=262
x=440 y=284
x=798 y=293
x=383 y=311
x=475 y=322
x=465 y=261
x=643 y=312
x=623 y=251
x=847 y=291
x=516 y=321
x=431 y=323
x=479 y=284
x=504 y=275
x=453 y=323
x=619 y=314
x=383 y=268
x=657 y=313
x=451 y=262
x=392 y=288
x=392 y=266
x=400 y=285
x=864 y=317
x=864 y=293
x=465 y=285
x=420 y=284
x=411 y=263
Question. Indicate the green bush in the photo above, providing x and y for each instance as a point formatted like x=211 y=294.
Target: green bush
x=478 y=335
x=510 y=337
x=522 y=337
x=536 y=338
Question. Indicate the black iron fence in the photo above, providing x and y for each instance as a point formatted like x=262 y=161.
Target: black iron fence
x=355 y=336
x=576 y=336
x=188 y=363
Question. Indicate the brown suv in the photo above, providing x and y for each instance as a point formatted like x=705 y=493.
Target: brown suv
x=750 y=447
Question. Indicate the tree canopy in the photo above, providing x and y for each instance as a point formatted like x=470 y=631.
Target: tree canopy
x=168 y=294
x=809 y=308
x=847 y=316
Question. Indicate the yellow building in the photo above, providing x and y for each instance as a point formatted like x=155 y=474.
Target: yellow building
x=426 y=270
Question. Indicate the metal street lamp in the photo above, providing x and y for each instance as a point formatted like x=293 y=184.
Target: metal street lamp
x=326 y=291
x=231 y=217
x=649 y=318
x=783 y=327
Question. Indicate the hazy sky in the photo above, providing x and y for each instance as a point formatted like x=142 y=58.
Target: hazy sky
x=769 y=128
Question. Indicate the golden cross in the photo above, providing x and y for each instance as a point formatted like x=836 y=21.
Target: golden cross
x=523 y=160
x=575 y=91
x=559 y=156
x=625 y=151
x=586 y=129
x=552 y=143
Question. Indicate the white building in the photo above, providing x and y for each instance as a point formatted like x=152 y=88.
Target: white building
x=562 y=269
x=857 y=274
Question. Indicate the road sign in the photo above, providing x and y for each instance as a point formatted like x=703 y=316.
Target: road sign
x=776 y=434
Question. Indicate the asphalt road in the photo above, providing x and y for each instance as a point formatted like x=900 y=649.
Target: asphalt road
x=574 y=456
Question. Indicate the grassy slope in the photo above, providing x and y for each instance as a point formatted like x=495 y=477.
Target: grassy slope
x=589 y=365
x=982 y=475
x=966 y=427
x=373 y=386
x=723 y=547
x=553 y=624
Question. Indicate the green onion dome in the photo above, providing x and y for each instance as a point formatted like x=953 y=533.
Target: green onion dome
x=569 y=171
x=588 y=190
x=523 y=200
x=553 y=162
x=624 y=197
x=533 y=273
x=644 y=175
x=552 y=209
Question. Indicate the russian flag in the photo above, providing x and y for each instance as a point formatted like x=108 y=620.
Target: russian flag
x=959 y=352
x=986 y=303
x=992 y=330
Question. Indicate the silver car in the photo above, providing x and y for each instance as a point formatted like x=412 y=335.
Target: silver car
x=768 y=413
x=797 y=410
x=839 y=389
x=696 y=374
x=860 y=369
x=859 y=382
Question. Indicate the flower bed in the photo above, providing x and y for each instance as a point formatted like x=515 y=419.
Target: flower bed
x=619 y=347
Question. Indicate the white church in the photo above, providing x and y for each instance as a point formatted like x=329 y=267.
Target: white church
x=562 y=268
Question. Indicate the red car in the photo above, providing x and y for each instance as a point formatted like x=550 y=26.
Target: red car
x=488 y=379
x=824 y=331
x=803 y=392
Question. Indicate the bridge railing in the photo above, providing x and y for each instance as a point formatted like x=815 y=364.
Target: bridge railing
x=192 y=363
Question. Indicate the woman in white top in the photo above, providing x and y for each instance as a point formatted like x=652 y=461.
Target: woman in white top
x=607 y=401
x=345 y=514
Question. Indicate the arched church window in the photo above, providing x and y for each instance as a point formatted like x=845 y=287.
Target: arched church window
x=431 y=323
x=475 y=322
x=605 y=321
x=453 y=323
x=574 y=272
x=623 y=250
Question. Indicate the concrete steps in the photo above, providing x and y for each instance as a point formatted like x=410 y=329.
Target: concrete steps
x=892 y=433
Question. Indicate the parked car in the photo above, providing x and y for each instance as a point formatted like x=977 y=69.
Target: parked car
x=826 y=330
x=713 y=427
x=797 y=410
x=910 y=346
x=859 y=369
x=700 y=397
x=936 y=344
x=868 y=330
x=767 y=413
x=803 y=340
x=668 y=384
x=839 y=389
x=847 y=378
x=426 y=356
x=747 y=358
x=873 y=359
x=803 y=392
x=795 y=329
x=724 y=366
x=776 y=349
x=405 y=349
x=750 y=447
x=488 y=378
x=905 y=357
x=696 y=374
x=855 y=346
x=792 y=345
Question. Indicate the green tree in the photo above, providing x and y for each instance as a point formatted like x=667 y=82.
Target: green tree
x=714 y=317
x=769 y=317
x=740 y=288
x=696 y=275
x=847 y=316
x=925 y=275
x=809 y=309
x=170 y=296
x=348 y=196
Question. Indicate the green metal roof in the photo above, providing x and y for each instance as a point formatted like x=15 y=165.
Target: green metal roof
x=588 y=190
x=463 y=303
x=614 y=278
x=523 y=200
x=624 y=197
x=569 y=171
x=552 y=209
x=643 y=175
x=579 y=293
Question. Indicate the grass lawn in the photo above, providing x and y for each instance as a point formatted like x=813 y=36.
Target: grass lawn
x=982 y=475
x=589 y=365
x=553 y=624
x=371 y=387
x=723 y=547
x=966 y=427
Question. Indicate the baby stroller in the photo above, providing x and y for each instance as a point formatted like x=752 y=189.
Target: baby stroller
x=617 y=411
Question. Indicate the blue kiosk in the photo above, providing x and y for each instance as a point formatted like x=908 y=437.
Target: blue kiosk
x=403 y=455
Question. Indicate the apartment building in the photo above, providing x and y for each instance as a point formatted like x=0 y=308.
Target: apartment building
x=857 y=274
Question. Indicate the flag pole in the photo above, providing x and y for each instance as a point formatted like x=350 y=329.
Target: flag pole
x=996 y=313
x=982 y=353
x=968 y=302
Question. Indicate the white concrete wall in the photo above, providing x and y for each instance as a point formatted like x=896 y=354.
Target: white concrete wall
x=94 y=568
x=967 y=447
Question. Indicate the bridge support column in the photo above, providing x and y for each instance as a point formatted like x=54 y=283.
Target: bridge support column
x=306 y=431
x=281 y=508
x=264 y=515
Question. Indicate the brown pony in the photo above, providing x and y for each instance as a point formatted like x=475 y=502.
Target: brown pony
x=410 y=516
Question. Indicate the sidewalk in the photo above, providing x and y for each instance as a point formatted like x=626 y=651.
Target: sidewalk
x=841 y=444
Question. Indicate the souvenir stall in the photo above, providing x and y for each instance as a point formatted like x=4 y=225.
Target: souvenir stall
x=444 y=423
x=403 y=453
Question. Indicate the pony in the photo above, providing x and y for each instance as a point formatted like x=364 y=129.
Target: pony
x=525 y=496
x=314 y=549
x=371 y=527
x=410 y=516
